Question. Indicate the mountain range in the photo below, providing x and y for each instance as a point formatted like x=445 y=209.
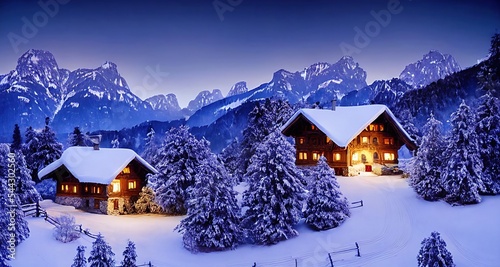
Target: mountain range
x=100 y=99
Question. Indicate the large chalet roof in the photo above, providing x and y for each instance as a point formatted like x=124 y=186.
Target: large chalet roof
x=344 y=124
x=95 y=166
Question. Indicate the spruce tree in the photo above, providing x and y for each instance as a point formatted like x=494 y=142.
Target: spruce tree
x=275 y=194
x=30 y=149
x=151 y=147
x=25 y=187
x=129 y=255
x=433 y=253
x=213 y=221
x=426 y=170
x=80 y=260
x=101 y=254
x=77 y=138
x=230 y=157
x=488 y=131
x=178 y=160
x=461 y=176
x=326 y=207
x=16 y=139
x=146 y=202
x=48 y=149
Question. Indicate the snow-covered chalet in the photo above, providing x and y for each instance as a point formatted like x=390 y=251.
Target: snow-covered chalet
x=100 y=180
x=353 y=139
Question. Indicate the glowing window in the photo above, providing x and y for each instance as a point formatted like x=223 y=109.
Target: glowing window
x=336 y=156
x=388 y=156
x=132 y=184
x=302 y=155
x=86 y=189
x=74 y=189
x=364 y=140
x=115 y=186
x=126 y=170
x=316 y=155
x=355 y=157
x=313 y=127
x=302 y=140
x=388 y=141
x=328 y=139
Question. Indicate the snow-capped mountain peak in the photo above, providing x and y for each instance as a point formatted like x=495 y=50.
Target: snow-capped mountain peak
x=432 y=67
x=164 y=102
x=204 y=98
x=238 y=88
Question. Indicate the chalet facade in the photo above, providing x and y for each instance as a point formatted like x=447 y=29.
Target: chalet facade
x=100 y=180
x=352 y=139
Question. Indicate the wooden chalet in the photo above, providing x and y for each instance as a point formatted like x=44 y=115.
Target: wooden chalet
x=101 y=180
x=352 y=139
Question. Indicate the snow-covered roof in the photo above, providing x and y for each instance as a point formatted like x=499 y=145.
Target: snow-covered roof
x=344 y=124
x=95 y=166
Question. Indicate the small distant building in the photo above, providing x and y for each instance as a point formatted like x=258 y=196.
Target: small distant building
x=351 y=138
x=100 y=180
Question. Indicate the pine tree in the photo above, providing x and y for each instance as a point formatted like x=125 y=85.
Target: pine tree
x=115 y=143
x=48 y=150
x=461 y=176
x=16 y=139
x=30 y=149
x=230 y=157
x=80 y=260
x=426 y=172
x=408 y=122
x=101 y=254
x=433 y=253
x=151 y=147
x=488 y=131
x=275 y=194
x=77 y=138
x=129 y=255
x=25 y=188
x=178 y=160
x=9 y=202
x=326 y=207
x=212 y=222
x=146 y=202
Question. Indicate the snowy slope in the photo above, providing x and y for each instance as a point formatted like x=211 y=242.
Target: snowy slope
x=388 y=229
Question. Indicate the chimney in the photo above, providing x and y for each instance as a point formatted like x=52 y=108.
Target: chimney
x=334 y=104
x=96 y=140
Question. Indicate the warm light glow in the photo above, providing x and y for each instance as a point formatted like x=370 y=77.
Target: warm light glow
x=126 y=170
x=388 y=141
x=388 y=156
x=336 y=156
x=328 y=139
x=302 y=155
x=302 y=140
x=132 y=184
x=115 y=185
x=364 y=140
x=74 y=189
x=355 y=157
x=316 y=156
x=313 y=127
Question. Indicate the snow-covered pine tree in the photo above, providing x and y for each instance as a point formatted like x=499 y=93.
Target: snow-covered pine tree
x=101 y=254
x=213 y=221
x=48 y=150
x=77 y=138
x=488 y=131
x=425 y=174
x=4 y=216
x=179 y=158
x=8 y=203
x=30 y=148
x=461 y=176
x=80 y=260
x=326 y=207
x=129 y=255
x=433 y=253
x=408 y=122
x=151 y=147
x=230 y=157
x=275 y=194
x=146 y=202
x=25 y=188
x=115 y=143
x=16 y=139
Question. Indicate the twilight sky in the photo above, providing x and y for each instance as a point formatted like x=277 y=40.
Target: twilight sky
x=185 y=46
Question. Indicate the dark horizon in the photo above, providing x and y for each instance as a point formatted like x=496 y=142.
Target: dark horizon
x=205 y=45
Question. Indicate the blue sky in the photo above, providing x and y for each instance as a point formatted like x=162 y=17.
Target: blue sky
x=193 y=46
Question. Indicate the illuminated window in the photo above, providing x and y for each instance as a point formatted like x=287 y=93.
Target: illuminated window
x=328 y=139
x=126 y=170
x=336 y=156
x=388 y=156
x=355 y=157
x=74 y=189
x=316 y=155
x=364 y=140
x=115 y=186
x=388 y=141
x=132 y=184
x=302 y=155
x=302 y=140
x=313 y=127
x=65 y=188
x=96 y=189
x=86 y=189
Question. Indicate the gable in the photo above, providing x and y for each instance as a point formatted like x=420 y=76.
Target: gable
x=95 y=166
x=344 y=124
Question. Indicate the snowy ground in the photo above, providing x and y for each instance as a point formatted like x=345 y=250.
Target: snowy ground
x=388 y=229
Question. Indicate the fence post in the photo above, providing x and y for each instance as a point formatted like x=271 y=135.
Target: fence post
x=361 y=203
x=37 y=209
x=331 y=261
x=150 y=265
x=296 y=265
x=357 y=247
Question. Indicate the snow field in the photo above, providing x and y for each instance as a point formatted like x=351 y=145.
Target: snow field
x=388 y=229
